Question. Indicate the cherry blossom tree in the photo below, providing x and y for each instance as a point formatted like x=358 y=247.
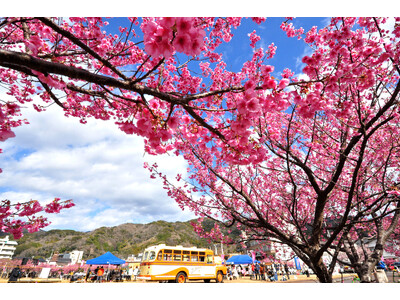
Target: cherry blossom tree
x=308 y=151
x=277 y=156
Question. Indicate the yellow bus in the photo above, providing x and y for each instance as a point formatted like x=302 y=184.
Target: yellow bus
x=178 y=264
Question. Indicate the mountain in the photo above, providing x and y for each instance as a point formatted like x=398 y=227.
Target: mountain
x=122 y=240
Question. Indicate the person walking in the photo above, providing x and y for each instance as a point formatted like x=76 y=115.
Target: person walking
x=287 y=271
x=275 y=273
x=262 y=272
x=87 y=277
x=95 y=273
x=135 y=273
x=257 y=271
x=100 y=274
x=15 y=274
x=235 y=274
x=251 y=272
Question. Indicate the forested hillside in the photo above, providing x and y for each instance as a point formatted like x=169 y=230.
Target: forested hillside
x=122 y=240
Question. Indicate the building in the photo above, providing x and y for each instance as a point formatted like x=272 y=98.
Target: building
x=76 y=257
x=134 y=261
x=370 y=243
x=7 y=248
x=63 y=259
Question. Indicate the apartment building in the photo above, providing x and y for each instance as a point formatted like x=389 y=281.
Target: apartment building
x=7 y=247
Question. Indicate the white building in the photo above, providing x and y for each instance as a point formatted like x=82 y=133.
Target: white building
x=7 y=248
x=76 y=257
x=134 y=259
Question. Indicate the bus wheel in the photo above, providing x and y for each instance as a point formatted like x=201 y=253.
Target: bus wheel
x=181 y=277
x=220 y=277
x=206 y=280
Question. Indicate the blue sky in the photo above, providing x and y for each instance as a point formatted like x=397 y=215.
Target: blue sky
x=101 y=168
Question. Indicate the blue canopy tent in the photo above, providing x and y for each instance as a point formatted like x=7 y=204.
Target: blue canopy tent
x=241 y=260
x=106 y=259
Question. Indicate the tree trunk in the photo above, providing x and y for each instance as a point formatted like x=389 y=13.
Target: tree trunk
x=367 y=268
x=322 y=272
x=369 y=264
x=366 y=272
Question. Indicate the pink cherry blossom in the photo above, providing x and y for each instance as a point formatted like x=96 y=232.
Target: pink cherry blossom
x=6 y=134
x=283 y=83
x=253 y=105
x=127 y=127
x=269 y=84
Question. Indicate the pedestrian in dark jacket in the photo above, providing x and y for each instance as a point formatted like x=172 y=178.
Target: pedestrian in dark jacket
x=287 y=271
x=15 y=274
x=87 y=277
x=257 y=272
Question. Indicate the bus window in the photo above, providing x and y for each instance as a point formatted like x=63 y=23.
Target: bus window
x=209 y=259
x=186 y=255
x=152 y=255
x=202 y=256
x=145 y=256
x=168 y=255
x=177 y=255
x=194 y=256
x=159 y=256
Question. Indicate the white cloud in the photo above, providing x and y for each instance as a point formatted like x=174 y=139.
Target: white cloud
x=96 y=165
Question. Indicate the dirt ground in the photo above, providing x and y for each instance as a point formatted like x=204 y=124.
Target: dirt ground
x=240 y=280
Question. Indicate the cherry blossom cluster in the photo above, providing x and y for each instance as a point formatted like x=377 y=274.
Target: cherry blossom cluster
x=167 y=35
x=215 y=234
x=15 y=218
x=291 y=31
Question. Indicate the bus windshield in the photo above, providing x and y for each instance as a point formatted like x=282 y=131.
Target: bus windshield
x=149 y=255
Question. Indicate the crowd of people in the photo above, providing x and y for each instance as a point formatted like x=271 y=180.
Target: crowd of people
x=13 y=274
x=261 y=271
x=99 y=274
